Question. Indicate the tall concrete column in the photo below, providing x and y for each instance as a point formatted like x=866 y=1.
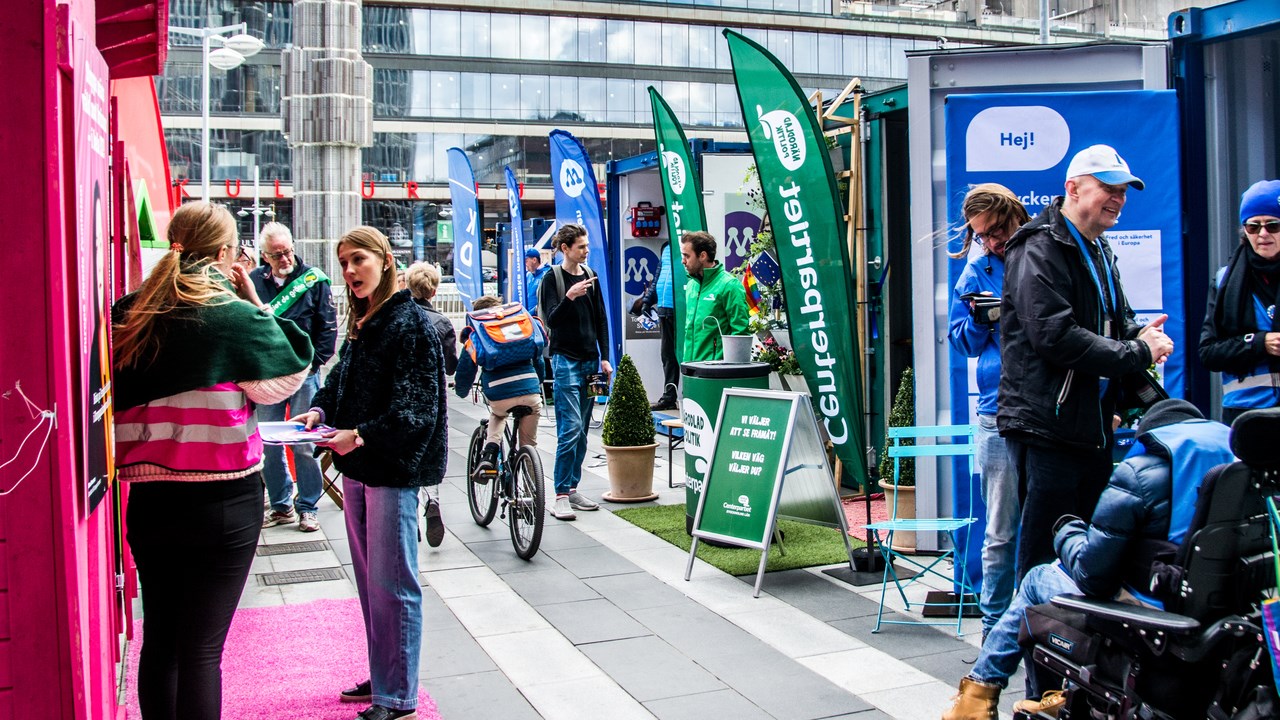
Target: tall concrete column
x=327 y=103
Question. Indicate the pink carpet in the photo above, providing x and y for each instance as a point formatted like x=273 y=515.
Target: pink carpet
x=855 y=512
x=297 y=673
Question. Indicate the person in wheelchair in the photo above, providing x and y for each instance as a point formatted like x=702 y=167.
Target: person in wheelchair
x=1150 y=496
x=505 y=387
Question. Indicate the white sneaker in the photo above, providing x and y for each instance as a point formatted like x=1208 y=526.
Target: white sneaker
x=578 y=501
x=561 y=510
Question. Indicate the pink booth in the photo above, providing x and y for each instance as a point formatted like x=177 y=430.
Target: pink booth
x=80 y=140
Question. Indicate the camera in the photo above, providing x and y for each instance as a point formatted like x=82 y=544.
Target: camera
x=597 y=385
x=985 y=309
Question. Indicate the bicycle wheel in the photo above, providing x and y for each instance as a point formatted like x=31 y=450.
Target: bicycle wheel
x=528 y=503
x=482 y=497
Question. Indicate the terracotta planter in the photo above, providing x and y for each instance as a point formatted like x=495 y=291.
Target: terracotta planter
x=902 y=541
x=630 y=473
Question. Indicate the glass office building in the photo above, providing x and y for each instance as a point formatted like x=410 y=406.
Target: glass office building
x=495 y=78
x=495 y=82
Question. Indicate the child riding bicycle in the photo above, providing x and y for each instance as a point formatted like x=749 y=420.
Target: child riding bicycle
x=505 y=387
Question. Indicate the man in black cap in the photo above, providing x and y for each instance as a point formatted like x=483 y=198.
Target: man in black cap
x=1142 y=501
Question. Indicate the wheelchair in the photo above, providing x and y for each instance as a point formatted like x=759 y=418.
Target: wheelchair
x=1204 y=655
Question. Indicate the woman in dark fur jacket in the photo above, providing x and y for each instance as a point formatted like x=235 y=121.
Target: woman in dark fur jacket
x=386 y=399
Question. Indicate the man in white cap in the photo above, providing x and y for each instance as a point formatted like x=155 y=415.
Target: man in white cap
x=1067 y=335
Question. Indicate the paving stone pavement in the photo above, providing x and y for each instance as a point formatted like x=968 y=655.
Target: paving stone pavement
x=601 y=623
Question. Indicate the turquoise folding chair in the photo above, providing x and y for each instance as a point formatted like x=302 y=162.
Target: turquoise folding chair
x=963 y=446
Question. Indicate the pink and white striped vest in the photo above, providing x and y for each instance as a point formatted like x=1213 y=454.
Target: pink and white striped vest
x=199 y=435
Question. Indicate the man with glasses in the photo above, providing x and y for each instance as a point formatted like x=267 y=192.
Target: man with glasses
x=1067 y=335
x=294 y=290
x=1240 y=337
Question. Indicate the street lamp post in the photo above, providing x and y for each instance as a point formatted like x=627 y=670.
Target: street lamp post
x=232 y=53
x=256 y=209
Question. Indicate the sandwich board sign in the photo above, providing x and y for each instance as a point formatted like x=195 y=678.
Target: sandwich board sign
x=768 y=461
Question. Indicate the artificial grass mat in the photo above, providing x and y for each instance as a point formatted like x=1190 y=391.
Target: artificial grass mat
x=806 y=545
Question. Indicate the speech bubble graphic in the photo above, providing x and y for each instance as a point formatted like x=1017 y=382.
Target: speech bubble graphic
x=572 y=178
x=674 y=165
x=698 y=434
x=783 y=129
x=1016 y=138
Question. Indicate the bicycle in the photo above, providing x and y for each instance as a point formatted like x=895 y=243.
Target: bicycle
x=517 y=481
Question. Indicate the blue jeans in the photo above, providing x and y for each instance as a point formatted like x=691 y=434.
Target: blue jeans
x=573 y=414
x=382 y=530
x=1000 y=546
x=999 y=657
x=274 y=468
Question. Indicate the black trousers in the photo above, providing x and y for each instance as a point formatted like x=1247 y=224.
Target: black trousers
x=1052 y=482
x=193 y=543
x=670 y=368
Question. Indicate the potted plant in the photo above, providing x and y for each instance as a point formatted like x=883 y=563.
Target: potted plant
x=628 y=438
x=783 y=361
x=903 y=414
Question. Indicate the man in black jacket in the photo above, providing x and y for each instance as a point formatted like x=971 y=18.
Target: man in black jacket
x=571 y=305
x=294 y=290
x=1067 y=334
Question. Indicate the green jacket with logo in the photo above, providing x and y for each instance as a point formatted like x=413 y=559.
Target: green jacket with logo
x=719 y=294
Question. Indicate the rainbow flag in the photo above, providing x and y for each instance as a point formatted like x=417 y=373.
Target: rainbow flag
x=753 y=291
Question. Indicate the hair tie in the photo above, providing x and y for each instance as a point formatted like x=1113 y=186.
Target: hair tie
x=176 y=247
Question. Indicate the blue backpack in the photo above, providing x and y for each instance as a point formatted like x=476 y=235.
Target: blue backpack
x=504 y=335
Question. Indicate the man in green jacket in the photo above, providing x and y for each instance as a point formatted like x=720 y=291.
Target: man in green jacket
x=715 y=301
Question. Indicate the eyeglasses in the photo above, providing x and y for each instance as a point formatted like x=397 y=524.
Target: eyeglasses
x=994 y=234
x=278 y=255
x=1271 y=226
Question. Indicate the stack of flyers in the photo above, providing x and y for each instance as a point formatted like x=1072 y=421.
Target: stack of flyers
x=291 y=433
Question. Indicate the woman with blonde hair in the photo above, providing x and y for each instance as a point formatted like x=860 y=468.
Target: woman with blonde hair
x=386 y=397
x=190 y=358
x=992 y=214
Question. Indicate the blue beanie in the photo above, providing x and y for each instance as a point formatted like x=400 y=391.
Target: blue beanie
x=533 y=253
x=1262 y=198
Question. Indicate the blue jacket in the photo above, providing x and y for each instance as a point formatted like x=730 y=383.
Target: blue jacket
x=500 y=383
x=660 y=293
x=1151 y=496
x=983 y=273
x=532 y=280
x=666 y=296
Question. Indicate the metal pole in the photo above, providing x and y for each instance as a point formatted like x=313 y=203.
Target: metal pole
x=204 y=120
x=1044 y=22
x=257 y=209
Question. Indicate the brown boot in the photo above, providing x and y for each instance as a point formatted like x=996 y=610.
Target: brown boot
x=976 y=701
x=1048 y=706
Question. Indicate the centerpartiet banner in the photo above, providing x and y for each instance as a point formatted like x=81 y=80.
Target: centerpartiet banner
x=466 y=239
x=519 y=291
x=578 y=201
x=807 y=218
x=682 y=189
